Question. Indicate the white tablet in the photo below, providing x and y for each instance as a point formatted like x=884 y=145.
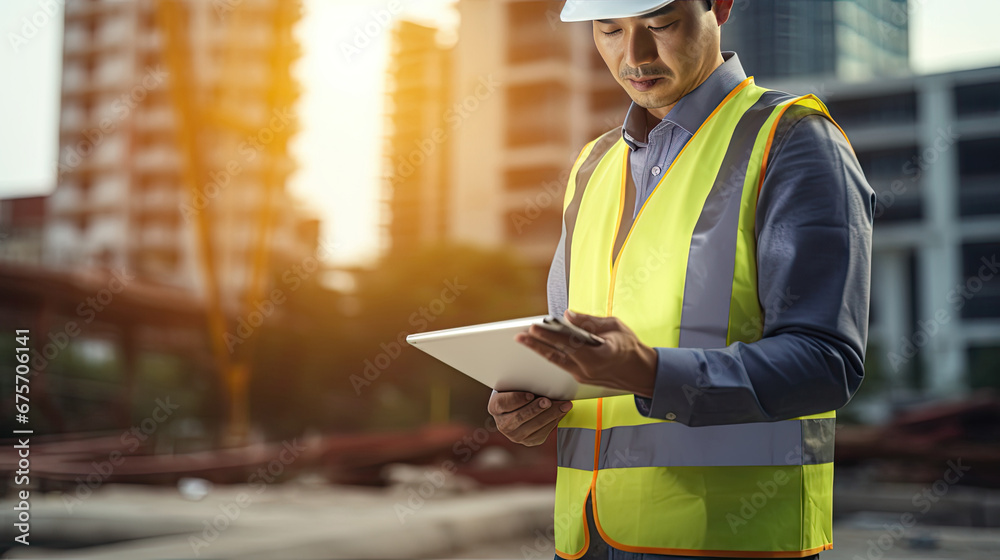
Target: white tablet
x=489 y=354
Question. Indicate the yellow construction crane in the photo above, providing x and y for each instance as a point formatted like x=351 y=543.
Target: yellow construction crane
x=196 y=120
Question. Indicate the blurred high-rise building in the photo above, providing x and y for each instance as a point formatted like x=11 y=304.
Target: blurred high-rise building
x=527 y=92
x=124 y=197
x=523 y=94
x=416 y=146
x=846 y=39
x=22 y=223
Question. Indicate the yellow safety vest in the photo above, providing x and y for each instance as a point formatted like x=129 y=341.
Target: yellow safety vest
x=683 y=274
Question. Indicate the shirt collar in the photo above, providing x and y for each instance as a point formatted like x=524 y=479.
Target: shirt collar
x=691 y=110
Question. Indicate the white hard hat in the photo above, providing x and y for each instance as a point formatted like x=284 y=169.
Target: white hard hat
x=586 y=10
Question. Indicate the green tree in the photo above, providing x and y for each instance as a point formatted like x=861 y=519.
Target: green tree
x=339 y=361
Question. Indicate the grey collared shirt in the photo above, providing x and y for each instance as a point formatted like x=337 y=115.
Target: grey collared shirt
x=652 y=151
x=813 y=224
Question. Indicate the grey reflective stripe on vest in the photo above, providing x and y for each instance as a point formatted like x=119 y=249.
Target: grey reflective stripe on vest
x=708 y=285
x=670 y=444
x=575 y=448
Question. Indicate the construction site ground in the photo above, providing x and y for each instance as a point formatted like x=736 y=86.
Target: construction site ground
x=311 y=519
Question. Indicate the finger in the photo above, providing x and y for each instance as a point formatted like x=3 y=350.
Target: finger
x=541 y=434
x=549 y=352
x=563 y=342
x=593 y=323
x=508 y=401
x=552 y=413
x=539 y=407
x=572 y=360
x=579 y=363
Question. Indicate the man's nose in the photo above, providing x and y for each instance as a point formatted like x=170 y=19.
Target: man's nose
x=640 y=48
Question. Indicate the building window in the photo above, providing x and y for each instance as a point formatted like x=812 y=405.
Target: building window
x=537 y=177
x=84 y=183
x=889 y=109
x=979 y=177
x=532 y=34
x=894 y=163
x=978 y=294
x=982 y=368
x=534 y=222
x=537 y=114
x=895 y=176
x=609 y=105
x=977 y=99
x=597 y=61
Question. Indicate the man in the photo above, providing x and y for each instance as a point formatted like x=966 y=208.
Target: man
x=720 y=243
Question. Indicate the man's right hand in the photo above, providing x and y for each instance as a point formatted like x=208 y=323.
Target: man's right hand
x=525 y=418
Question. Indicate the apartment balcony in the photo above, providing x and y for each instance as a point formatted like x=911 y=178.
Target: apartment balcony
x=540 y=70
x=113 y=73
x=162 y=197
x=114 y=32
x=156 y=159
x=536 y=126
x=260 y=6
x=560 y=154
x=246 y=75
x=159 y=118
x=82 y=46
x=158 y=236
x=76 y=38
x=109 y=190
x=75 y=78
x=65 y=199
x=249 y=36
x=85 y=209
x=73 y=117
x=80 y=87
x=109 y=150
x=247 y=194
x=81 y=9
x=72 y=166
x=150 y=41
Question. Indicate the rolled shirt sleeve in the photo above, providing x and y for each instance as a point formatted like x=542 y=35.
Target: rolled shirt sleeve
x=814 y=223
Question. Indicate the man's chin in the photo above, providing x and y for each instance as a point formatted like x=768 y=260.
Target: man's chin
x=650 y=102
x=658 y=96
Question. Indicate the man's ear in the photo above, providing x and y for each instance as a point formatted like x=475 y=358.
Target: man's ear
x=722 y=9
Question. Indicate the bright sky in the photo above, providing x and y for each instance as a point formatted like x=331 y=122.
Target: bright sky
x=341 y=107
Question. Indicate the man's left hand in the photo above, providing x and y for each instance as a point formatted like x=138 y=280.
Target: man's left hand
x=622 y=362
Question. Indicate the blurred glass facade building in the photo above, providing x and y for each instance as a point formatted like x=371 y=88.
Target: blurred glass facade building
x=928 y=146
x=849 y=39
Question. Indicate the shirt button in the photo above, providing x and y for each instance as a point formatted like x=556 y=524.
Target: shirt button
x=671 y=416
x=656 y=170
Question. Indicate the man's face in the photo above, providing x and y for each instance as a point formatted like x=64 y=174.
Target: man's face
x=662 y=56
